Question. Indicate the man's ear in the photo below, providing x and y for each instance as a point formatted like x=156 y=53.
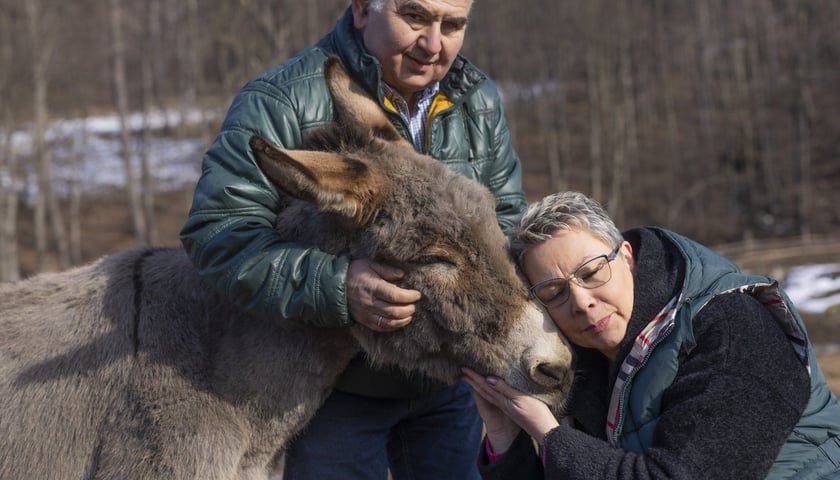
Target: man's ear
x=360 y=13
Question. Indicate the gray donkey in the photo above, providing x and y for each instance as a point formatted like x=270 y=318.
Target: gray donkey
x=131 y=368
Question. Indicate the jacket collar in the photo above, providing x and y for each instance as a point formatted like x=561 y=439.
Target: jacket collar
x=658 y=277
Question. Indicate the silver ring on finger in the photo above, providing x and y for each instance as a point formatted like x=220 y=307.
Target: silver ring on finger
x=379 y=322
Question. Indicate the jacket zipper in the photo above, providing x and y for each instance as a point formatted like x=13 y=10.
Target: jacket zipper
x=622 y=401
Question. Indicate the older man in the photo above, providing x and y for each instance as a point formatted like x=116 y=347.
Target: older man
x=406 y=53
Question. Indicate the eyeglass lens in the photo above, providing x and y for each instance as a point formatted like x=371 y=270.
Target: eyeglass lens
x=591 y=274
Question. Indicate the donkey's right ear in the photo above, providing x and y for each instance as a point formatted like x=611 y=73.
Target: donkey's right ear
x=355 y=106
x=332 y=182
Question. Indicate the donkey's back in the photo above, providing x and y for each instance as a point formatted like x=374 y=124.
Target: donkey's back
x=135 y=370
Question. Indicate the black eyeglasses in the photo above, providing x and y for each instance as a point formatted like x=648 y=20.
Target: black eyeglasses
x=593 y=273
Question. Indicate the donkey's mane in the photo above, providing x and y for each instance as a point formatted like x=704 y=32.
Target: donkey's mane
x=340 y=137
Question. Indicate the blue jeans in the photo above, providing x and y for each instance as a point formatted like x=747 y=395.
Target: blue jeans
x=435 y=437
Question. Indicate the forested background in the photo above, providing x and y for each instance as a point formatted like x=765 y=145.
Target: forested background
x=717 y=118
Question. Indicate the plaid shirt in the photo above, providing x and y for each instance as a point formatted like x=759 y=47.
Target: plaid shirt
x=417 y=121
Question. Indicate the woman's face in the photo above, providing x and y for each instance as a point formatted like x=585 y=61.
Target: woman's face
x=590 y=317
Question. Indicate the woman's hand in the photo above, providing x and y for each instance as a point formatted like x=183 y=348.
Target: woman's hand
x=501 y=430
x=505 y=410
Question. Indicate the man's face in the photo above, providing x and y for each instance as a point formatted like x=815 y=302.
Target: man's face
x=416 y=41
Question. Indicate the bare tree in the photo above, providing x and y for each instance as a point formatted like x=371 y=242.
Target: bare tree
x=626 y=131
x=9 y=172
x=147 y=74
x=9 y=184
x=121 y=100
x=41 y=23
x=805 y=113
x=78 y=149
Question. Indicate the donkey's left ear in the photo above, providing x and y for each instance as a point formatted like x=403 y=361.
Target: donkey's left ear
x=332 y=182
x=354 y=106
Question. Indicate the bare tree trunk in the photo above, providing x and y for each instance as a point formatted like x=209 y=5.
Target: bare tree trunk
x=9 y=265
x=75 y=221
x=275 y=29
x=9 y=181
x=707 y=79
x=551 y=140
x=121 y=99
x=9 y=172
x=626 y=145
x=56 y=217
x=192 y=74
x=757 y=51
x=39 y=95
x=747 y=125
x=564 y=147
x=148 y=88
x=593 y=72
x=707 y=85
x=46 y=206
x=805 y=116
x=749 y=70
x=546 y=112
x=146 y=177
x=606 y=114
x=158 y=58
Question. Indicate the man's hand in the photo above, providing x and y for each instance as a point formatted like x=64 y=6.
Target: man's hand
x=374 y=301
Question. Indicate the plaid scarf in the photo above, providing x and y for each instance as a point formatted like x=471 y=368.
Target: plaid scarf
x=646 y=340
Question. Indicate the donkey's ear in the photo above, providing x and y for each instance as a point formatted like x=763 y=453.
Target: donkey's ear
x=330 y=181
x=354 y=105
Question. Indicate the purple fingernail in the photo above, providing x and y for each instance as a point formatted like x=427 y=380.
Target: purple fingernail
x=492 y=380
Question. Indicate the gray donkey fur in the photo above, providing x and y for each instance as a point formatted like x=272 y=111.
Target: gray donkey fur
x=131 y=368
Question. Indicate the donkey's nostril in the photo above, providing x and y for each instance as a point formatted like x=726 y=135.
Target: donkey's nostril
x=553 y=372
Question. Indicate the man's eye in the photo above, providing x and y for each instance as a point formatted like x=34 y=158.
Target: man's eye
x=451 y=27
x=413 y=17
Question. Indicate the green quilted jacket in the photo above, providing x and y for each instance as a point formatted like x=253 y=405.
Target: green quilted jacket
x=229 y=233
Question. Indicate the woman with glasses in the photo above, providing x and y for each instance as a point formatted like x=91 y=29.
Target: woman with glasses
x=685 y=367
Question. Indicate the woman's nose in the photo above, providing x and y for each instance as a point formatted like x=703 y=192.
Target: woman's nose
x=579 y=297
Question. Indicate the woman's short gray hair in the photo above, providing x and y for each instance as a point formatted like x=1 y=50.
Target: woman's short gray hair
x=562 y=211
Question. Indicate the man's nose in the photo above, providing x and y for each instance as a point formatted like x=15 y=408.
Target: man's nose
x=431 y=39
